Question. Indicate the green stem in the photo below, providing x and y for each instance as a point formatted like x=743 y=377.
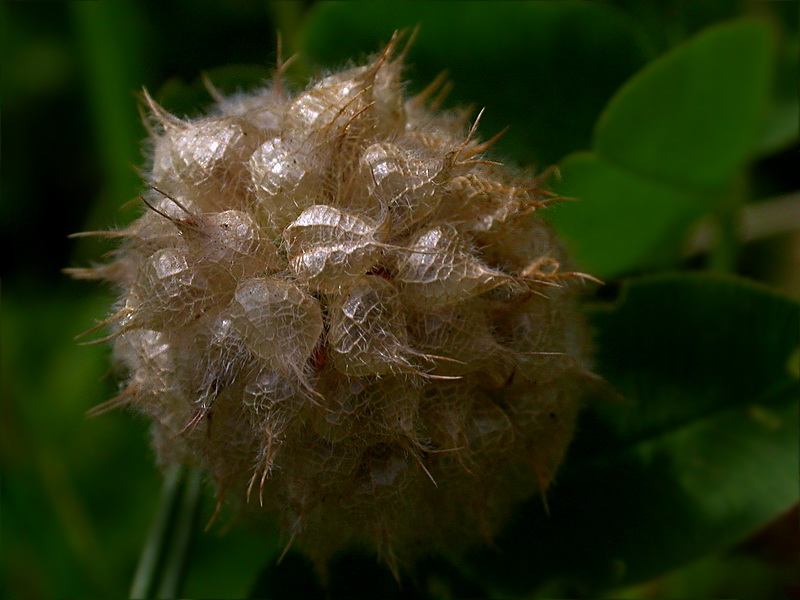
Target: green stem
x=175 y=562
x=150 y=559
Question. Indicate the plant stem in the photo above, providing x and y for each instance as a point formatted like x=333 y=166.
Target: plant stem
x=760 y=220
x=150 y=559
x=175 y=562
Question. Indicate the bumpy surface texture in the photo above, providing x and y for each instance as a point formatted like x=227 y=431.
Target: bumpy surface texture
x=347 y=316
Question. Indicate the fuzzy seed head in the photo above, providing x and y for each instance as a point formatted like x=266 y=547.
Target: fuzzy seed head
x=346 y=316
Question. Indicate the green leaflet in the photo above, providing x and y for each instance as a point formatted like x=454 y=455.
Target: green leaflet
x=693 y=116
x=702 y=453
x=666 y=150
x=622 y=221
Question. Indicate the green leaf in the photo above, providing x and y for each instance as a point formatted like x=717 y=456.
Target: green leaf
x=544 y=68
x=109 y=35
x=669 y=23
x=622 y=222
x=726 y=340
x=703 y=454
x=783 y=119
x=666 y=151
x=693 y=116
x=52 y=454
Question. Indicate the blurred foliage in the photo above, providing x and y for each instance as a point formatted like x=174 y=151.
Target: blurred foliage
x=662 y=159
x=706 y=453
x=662 y=116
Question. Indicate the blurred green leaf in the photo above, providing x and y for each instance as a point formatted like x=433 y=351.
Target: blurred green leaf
x=722 y=575
x=705 y=455
x=726 y=340
x=670 y=22
x=782 y=123
x=64 y=516
x=667 y=148
x=546 y=68
x=693 y=116
x=623 y=222
x=112 y=59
